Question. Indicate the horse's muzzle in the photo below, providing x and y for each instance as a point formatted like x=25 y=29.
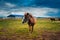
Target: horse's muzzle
x=23 y=22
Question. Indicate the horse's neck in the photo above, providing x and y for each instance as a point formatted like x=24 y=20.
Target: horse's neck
x=31 y=19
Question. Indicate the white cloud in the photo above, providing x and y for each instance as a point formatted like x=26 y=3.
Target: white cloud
x=17 y=13
x=41 y=12
x=36 y=11
x=4 y=13
x=10 y=5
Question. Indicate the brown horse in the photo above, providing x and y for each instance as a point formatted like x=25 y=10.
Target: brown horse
x=30 y=20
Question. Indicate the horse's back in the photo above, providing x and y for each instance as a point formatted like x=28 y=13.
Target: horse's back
x=33 y=20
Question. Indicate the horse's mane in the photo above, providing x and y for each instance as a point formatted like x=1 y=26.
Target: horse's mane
x=28 y=14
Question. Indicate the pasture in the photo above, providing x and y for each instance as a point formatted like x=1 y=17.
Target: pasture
x=13 y=29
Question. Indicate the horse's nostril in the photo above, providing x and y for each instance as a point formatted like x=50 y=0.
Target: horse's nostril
x=22 y=22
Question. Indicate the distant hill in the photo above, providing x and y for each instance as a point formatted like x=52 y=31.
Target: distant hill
x=15 y=16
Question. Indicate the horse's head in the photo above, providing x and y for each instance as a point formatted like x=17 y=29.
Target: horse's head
x=25 y=18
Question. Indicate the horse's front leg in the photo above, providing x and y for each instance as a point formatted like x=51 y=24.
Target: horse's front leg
x=29 y=28
x=32 y=29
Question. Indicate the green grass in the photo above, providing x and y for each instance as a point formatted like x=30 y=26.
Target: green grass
x=15 y=27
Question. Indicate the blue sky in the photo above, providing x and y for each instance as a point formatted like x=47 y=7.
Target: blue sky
x=42 y=8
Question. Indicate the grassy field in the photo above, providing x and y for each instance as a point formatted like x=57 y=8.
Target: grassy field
x=13 y=29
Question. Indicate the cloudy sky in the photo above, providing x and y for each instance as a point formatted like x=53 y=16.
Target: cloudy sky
x=41 y=8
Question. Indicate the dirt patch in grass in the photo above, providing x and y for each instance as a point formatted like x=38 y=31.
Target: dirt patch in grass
x=44 y=36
